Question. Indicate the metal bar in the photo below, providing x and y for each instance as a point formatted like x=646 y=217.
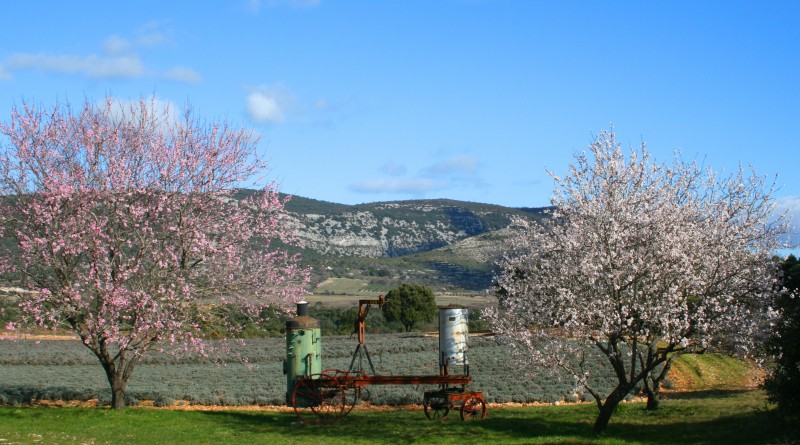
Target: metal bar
x=412 y=380
x=369 y=360
x=356 y=354
x=364 y=380
x=460 y=396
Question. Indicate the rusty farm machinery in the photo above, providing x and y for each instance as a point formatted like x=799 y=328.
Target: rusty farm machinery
x=319 y=395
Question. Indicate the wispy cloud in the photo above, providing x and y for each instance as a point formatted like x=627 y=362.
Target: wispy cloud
x=393 y=169
x=412 y=186
x=152 y=34
x=183 y=74
x=165 y=111
x=791 y=205
x=91 y=66
x=459 y=166
x=118 y=59
x=255 y=6
x=277 y=104
x=116 y=45
x=448 y=173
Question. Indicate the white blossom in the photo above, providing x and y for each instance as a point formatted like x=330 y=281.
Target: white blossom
x=641 y=260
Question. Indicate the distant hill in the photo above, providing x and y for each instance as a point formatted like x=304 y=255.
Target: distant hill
x=447 y=244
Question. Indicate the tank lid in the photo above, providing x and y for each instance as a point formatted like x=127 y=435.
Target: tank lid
x=302 y=322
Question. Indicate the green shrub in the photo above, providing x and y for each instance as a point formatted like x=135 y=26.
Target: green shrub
x=783 y=383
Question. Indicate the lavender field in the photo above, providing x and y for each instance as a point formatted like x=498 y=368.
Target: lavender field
x=65 y=370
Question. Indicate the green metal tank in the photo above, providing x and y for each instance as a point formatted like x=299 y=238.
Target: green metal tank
x=303 y=348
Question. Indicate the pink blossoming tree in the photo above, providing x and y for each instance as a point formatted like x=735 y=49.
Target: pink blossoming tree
x=642 y=261
x=124 y=223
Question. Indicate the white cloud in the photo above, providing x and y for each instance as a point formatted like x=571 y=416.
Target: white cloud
x=264 y=107
x=322 y=104
x=183 y=74
x=276 y=103
x=151 y=35
x=461 y=165
x=255 y=6
x=164 y=110
x=271 y=104
x=393 y=168
x=413 y=186
x=791 y=205
x=116 y=45
x=454 y=172
x=118 y=60
x=300 y=3
x=91 y=66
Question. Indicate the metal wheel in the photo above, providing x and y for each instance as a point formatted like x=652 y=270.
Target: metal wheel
x=305 y=395
x=344 y=379
x=318 y=400
x=436 y=406
x=473 y=408
x=333 y=404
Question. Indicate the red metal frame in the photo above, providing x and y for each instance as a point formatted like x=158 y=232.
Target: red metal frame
x=344 y=384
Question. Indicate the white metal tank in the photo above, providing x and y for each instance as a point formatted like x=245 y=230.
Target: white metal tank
x=453 y=336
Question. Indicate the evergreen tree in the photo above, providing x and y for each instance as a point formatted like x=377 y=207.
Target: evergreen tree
x=783 y=384
x=409 y=304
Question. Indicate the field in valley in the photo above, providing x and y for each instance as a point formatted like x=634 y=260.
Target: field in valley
x=345 y=292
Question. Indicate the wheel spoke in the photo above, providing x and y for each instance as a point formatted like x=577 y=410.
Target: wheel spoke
x=473 y=408
x=319 y=398
x=436 y=406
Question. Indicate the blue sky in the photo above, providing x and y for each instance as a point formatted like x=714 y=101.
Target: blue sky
x=360 y=101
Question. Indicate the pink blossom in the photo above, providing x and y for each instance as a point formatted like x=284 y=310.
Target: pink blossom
x=126 y=224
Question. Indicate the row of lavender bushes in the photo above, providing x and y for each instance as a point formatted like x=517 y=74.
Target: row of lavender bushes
x=31 y=371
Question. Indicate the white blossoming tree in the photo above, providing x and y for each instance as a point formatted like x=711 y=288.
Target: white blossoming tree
x=643 y=261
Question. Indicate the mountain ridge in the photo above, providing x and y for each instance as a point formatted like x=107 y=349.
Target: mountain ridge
x=445 y=243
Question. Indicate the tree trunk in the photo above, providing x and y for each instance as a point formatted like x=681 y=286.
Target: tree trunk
x=608 y=407
x=652 y=385
x=652 y=397
x=118 y=366
x=118 y=388
x=119 y=384
x=650 y=388
x=118 y=374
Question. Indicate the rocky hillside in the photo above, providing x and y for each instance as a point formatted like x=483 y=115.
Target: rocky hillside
x=439 y=242
x=444 y=243
x=393 y=229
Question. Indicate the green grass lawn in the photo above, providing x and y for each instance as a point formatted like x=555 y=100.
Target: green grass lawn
x=714 y=417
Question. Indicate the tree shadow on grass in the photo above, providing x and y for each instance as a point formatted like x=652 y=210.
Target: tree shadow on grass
x=704 y=394
x=393 y=427
x=737 y=429
x=518 y=426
